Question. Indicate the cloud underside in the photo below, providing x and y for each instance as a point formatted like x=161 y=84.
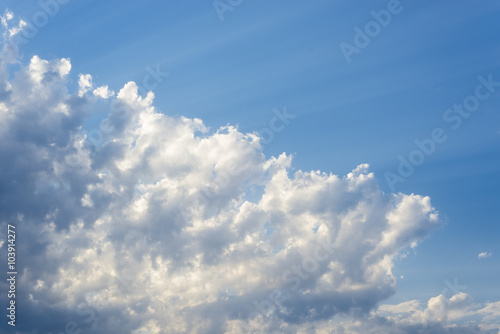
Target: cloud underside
x=132 y=221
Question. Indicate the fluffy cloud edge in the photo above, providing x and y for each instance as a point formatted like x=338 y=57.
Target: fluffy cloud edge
x=154 y=229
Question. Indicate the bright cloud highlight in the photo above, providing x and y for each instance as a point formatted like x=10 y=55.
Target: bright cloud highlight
x=149 y=223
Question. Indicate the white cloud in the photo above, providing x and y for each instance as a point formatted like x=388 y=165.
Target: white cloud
x=8 y=15
x=17 y=29
x=483 y=255
x=103 y=92
x=161 y=225
x=443 y=312
x=9 y=31
x=84 y=83
x=39 y=69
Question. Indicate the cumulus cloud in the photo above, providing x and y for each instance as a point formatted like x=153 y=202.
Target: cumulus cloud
x=84 y=84
x=103 y=92
x=441 y=315
x=152 y=223
x=483 y=255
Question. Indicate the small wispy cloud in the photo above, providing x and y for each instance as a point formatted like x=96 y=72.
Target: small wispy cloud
x=483 y=255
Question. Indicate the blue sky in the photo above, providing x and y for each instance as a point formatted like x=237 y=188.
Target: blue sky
x=265 y=55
